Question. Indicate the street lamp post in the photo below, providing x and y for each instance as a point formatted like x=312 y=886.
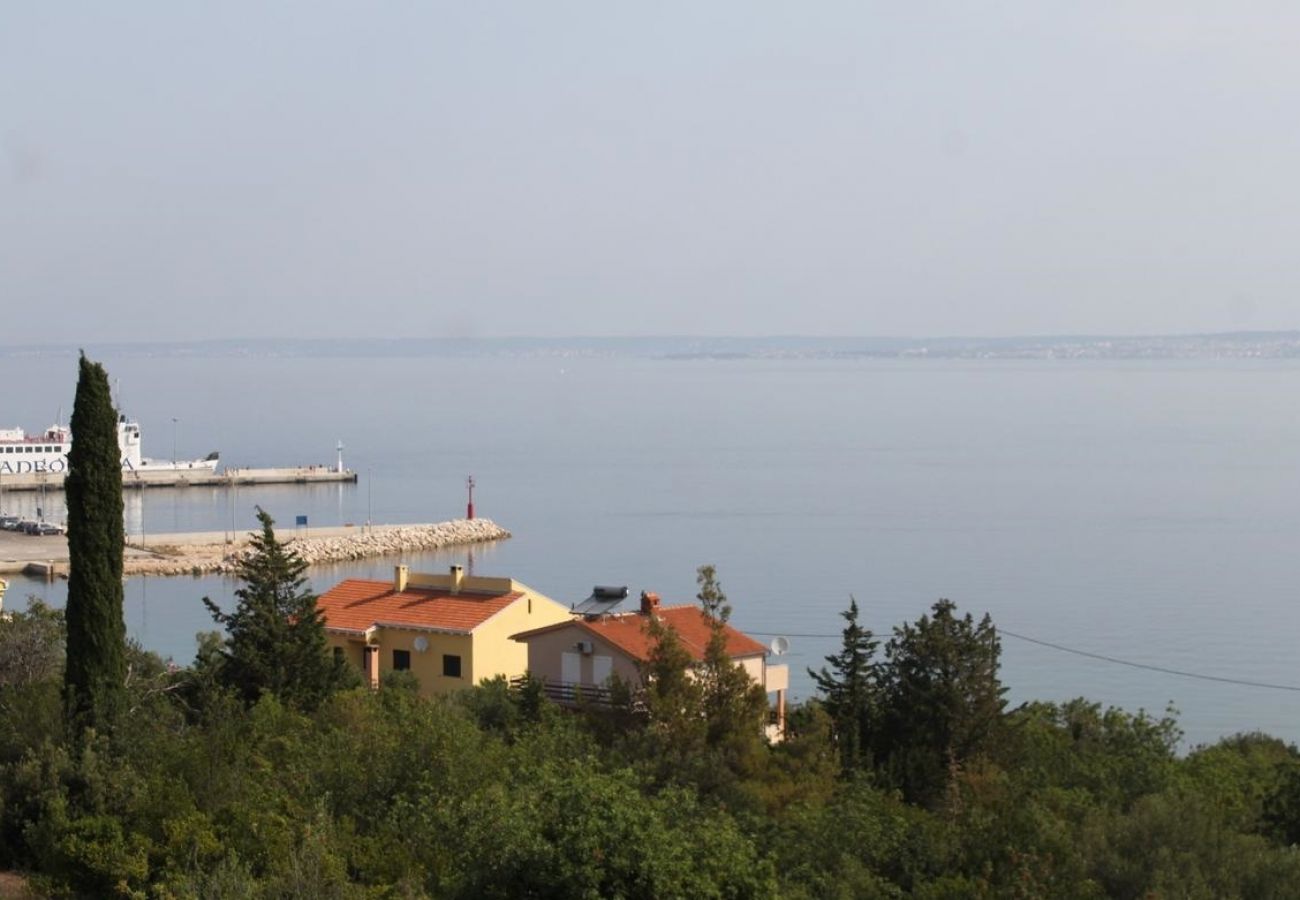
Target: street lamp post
x=174 y=421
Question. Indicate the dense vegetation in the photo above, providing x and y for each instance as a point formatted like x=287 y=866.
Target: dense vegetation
x=908 y=778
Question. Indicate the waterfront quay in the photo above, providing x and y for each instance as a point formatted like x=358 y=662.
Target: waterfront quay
x=202 y=553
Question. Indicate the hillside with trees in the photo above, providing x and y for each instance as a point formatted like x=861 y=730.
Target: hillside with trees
x=906 y=777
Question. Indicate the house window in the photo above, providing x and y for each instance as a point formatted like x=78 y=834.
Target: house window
x=401 y=660
x=450 y=665
x=571 y=667
x=338 y=654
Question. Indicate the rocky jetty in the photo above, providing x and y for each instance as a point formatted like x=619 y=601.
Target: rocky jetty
x=365 y=543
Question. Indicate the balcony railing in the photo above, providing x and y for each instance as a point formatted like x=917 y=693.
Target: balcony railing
x=573 y=695
x=568 y=693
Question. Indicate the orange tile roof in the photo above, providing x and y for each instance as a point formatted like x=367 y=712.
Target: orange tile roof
x=628 y=632
x=357 y=604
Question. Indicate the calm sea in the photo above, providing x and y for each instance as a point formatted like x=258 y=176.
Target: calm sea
x=1141 y=511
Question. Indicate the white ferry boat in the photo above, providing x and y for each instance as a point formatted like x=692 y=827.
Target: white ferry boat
x=43 y=458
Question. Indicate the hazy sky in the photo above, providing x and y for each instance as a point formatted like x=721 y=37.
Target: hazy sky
x=178 y=170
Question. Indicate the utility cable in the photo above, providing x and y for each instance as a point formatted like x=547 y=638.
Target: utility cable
x=1098 y=656
x=1137 y=665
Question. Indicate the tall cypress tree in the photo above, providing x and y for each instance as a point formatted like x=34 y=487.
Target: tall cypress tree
x=96 y=660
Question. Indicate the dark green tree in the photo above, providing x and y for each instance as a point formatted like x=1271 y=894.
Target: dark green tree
x=1281 y=805
x=1110 y=755
x=850 y=691
x=96 y=648
x=941 y=701
x=672 y=703
x=735 y=707
x=31 y=681
x=276 y=636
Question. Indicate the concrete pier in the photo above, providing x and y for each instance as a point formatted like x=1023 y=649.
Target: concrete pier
x=292 y=475
x=192 y=478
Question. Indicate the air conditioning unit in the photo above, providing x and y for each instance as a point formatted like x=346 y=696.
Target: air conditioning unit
x=586 y=647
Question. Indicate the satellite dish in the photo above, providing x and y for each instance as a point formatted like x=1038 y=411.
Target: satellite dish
x=421 y=644
x=779 y=646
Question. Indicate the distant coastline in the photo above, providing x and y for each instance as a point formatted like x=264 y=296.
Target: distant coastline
x=1224 y=345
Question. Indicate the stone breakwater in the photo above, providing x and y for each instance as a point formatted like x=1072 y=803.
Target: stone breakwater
x=366 y=543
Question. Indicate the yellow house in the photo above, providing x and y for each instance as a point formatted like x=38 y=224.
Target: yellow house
x=450 y=631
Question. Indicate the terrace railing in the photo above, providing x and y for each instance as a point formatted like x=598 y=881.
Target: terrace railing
x=568 y=693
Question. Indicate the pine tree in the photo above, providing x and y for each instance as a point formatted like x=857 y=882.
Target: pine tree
x=942 y=700
x=704 y=718
x=672 y=696
x=96 y=645
x=664 y=724
x=276 y=636
x=735 y=706
x=850 y=691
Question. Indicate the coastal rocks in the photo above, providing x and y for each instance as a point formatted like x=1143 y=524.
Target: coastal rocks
x=366 y=543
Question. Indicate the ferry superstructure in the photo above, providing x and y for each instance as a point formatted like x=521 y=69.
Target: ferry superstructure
x=43 y=459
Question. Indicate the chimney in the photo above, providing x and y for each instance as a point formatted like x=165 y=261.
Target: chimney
x=400 y=574
x=649 y=603
x=457 y=578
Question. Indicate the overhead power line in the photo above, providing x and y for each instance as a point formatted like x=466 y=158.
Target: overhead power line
x=1137 y=665
x=1242 y=682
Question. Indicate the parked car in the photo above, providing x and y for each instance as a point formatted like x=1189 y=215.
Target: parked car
x=28 y=526
x=49 y=528
x=9 y=523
